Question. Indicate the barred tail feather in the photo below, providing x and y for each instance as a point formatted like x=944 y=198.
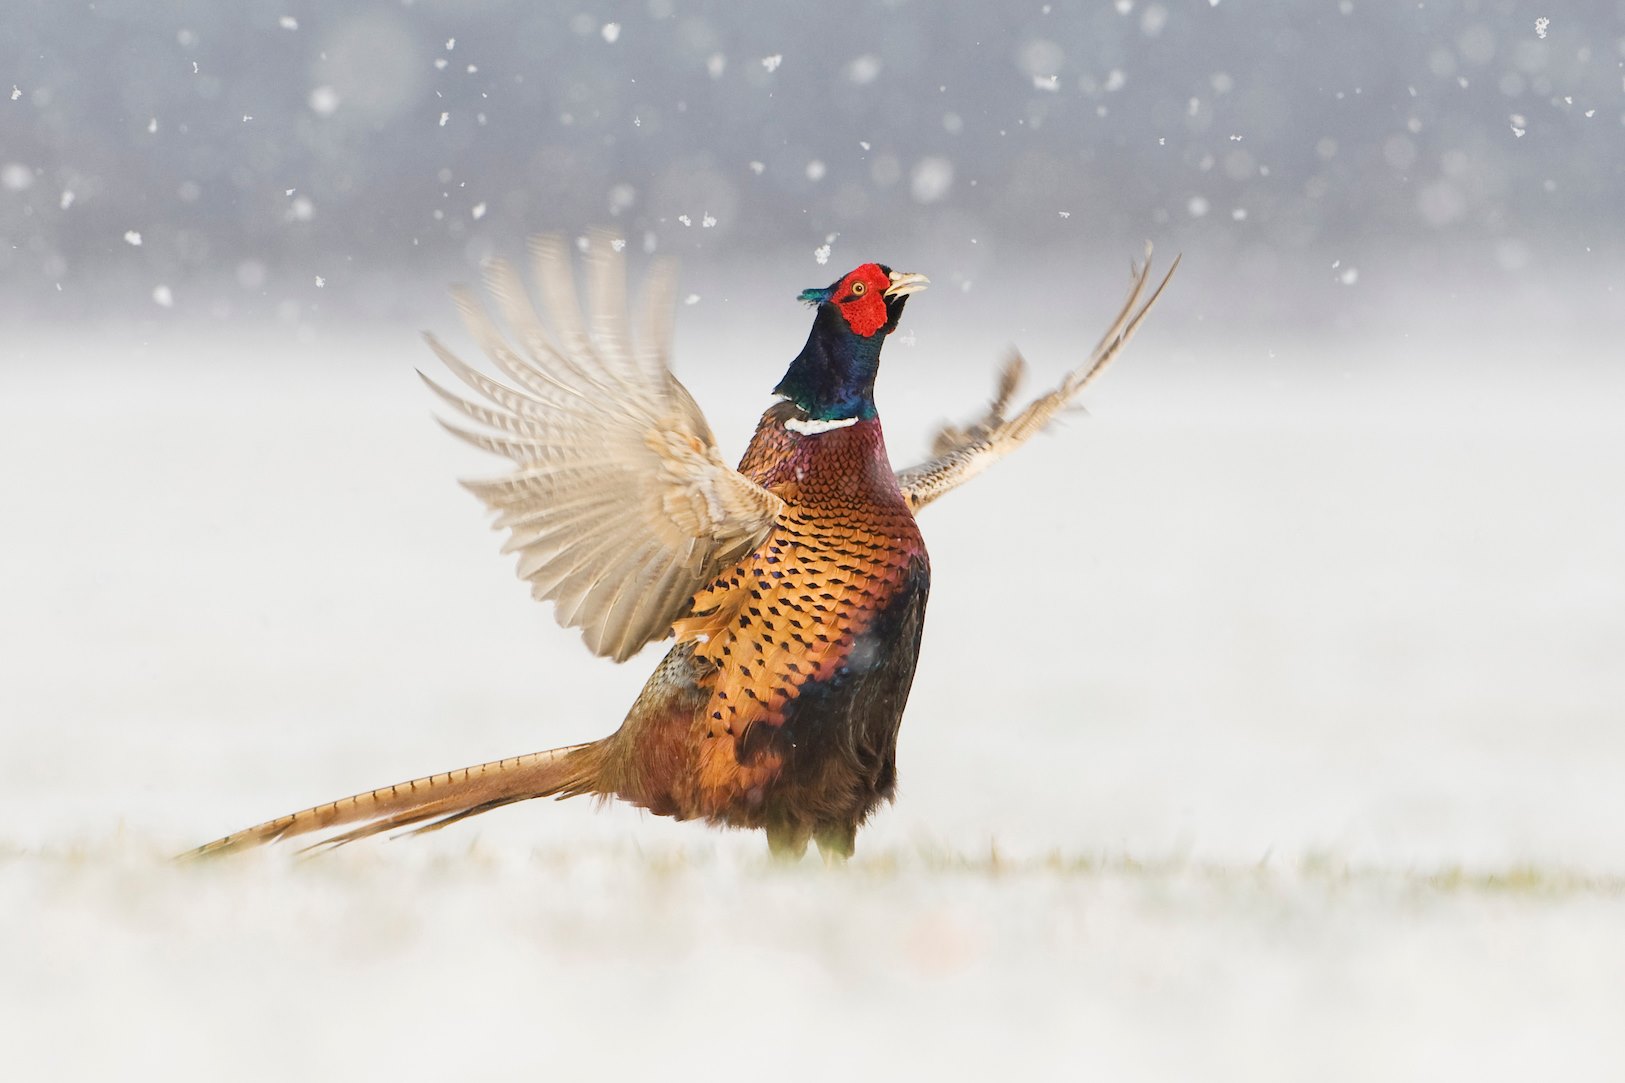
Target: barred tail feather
x=438 y=799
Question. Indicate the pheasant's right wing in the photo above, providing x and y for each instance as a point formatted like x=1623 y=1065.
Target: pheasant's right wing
x=619 y=504
x=959 y=453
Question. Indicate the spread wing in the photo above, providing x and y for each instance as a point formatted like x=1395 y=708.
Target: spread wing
x=619 y=504
x=960 y=452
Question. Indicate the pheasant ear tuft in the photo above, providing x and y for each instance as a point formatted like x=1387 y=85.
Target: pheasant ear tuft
x=814 y=296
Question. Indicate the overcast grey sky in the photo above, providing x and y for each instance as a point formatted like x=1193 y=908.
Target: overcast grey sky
x=253 y=147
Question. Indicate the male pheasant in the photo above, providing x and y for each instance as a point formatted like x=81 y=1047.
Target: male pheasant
x=795 y=586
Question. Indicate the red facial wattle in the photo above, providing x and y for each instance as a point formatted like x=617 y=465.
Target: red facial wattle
x=860 y=299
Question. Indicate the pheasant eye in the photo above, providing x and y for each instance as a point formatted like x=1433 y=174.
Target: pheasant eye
x=858 y=288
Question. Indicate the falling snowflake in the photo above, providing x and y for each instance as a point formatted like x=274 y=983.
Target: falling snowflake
x=771 y=63
x=821 y=254
x=132 y=237
x=685 y=219
x=757 y=167
x=16 y=92
x=288 y=22
x=622 y=197
x=163 y=296
x=443 y=118
x=1064 y=214
x=1540 y=26
x=611 y=32
x=864 y=70
x=708 y=221
x=67 y=199
x=478 y=212
x=323 y=101
x=320 y=281
x=931 y=178
x=692 y=299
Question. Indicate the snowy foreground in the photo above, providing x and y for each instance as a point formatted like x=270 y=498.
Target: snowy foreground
x=1268 y=727
x=476 y=963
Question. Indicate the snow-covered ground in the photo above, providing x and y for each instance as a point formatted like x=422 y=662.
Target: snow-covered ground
x=1269 y=725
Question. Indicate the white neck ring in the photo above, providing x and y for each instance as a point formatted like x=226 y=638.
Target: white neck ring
x=812 y=427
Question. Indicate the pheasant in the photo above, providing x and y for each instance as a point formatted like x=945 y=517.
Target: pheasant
x=794 y=587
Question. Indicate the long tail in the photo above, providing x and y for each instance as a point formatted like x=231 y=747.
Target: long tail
x=440 y=799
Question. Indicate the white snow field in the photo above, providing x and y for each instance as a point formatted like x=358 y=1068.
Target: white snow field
x=1268 y=726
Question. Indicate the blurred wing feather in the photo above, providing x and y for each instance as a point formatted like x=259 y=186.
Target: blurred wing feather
x=619 y=505
x=961 y=452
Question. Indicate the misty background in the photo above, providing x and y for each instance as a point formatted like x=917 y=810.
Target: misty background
x=1270 y=719
x=1317 y=161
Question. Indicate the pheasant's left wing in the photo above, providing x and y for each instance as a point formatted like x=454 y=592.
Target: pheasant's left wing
x=959 y=453
x=619 y=504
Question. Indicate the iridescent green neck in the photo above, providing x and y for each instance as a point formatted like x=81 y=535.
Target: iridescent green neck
x=833 y=377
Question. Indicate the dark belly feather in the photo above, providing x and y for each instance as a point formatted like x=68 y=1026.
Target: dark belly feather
x=837 y=741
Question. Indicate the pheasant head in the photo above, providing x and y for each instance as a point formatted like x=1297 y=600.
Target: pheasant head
x=833 y=377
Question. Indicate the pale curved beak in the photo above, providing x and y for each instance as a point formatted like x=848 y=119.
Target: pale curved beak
x=904 y=283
